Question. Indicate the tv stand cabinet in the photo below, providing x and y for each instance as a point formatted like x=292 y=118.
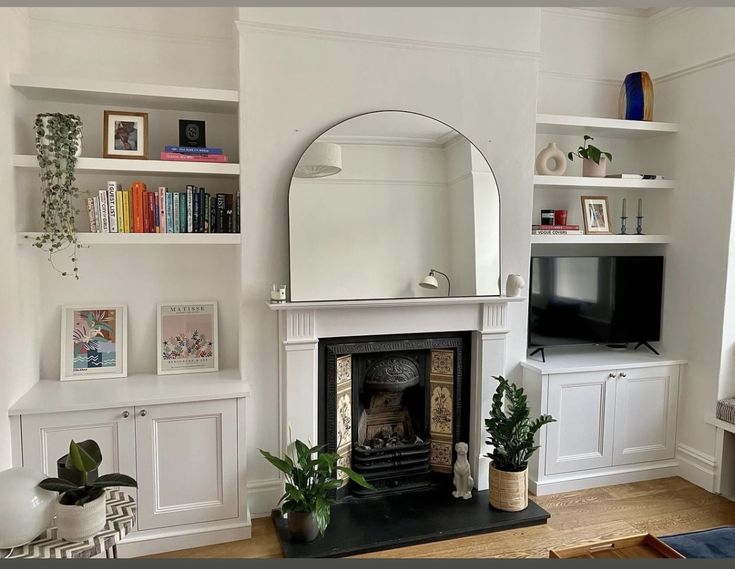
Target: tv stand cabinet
x=615 y=417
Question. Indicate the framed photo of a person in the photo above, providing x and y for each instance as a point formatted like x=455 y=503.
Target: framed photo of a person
x=187 y=337
x=596 y=215
x=93 y=341
x=125 y=135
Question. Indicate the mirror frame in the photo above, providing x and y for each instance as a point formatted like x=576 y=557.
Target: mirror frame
x=500 y=214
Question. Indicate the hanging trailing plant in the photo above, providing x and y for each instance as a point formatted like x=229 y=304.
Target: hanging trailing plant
x=57 y=142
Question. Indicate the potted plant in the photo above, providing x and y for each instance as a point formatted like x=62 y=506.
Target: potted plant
x=511 y=434
x=80 y=509
x=58 y=144
x=594 y=160
x=311 y=477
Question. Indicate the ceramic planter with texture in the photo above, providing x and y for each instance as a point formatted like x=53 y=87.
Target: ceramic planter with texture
x=508 y=490
x=79 y=523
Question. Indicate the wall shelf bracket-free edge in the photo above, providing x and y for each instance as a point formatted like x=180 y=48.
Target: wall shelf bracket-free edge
x=579 y=182
x=600 y=239
x=28 y=237
x=597 y=126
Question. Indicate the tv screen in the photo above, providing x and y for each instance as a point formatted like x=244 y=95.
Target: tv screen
x=600 y=300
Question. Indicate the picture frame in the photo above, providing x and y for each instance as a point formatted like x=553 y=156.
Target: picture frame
x=125 y=135
x=187 y=337
x=596 y=215
x=94 y=341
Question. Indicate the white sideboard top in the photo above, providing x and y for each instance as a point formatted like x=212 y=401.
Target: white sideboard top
x=595 y=358
x=52 y=396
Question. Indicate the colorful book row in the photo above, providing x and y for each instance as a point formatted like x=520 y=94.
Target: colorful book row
x=137 y=210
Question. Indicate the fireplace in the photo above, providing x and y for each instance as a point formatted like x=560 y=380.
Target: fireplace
x=392 y=408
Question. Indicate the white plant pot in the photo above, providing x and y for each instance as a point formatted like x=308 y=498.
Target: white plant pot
x=79 y=523
x=78 y=153
x=592 y=170
x=514 y=285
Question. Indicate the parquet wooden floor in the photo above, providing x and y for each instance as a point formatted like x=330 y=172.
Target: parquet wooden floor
x=661 y=507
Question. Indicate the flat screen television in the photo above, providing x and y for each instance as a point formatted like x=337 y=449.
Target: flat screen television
x=594 y=300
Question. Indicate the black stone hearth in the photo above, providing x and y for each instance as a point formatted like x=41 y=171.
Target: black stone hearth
x=386 y=522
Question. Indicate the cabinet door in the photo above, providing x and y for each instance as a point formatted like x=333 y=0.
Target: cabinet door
x=645 y=414
x=582 y=436
x=187 y=463
x=46 y=438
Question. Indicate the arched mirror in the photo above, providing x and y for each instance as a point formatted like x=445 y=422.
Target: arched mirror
x=393 y=204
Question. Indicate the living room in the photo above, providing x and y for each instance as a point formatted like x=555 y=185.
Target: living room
x=360 y=217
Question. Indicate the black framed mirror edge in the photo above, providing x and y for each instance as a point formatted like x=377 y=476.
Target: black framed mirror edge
x=288 y=214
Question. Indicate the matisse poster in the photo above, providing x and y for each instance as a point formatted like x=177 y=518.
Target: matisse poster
x=187 y=337
x=93 y=342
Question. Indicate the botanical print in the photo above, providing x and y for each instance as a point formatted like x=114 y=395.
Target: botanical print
x=344 y=419
x=187 y=337
x=441 y=409
x=93 y=335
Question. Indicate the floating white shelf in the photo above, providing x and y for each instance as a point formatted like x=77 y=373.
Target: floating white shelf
x=569 y=124
x=600 y=239
x=581 y=182
x=123 y=166
x=120 y=94
x=146 y=238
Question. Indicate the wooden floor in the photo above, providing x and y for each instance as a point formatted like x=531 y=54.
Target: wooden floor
x=661 y=507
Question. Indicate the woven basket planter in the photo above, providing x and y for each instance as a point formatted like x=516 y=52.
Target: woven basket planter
x=508 y=490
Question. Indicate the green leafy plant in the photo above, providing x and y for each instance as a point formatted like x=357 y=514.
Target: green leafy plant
x=510 y=431
x=57 y=141
x=84 y=458
x=589 y=152
x=310 y=478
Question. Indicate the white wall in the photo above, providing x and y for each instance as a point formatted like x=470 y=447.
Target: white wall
x=18 y=284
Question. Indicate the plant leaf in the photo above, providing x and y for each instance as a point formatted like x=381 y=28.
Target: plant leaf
x=59 y=485
x=81 y=459
x=285 y=467
x=116 y=479
x=356 y=478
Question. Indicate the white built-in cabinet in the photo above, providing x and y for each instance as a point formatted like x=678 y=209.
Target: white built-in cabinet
x=615 y=417
x=180 y=437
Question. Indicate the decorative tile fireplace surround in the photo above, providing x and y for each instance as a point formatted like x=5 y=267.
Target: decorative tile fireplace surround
x=303 y=324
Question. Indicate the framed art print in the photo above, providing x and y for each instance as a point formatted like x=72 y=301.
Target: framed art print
x=125 y=135
x=596 y=215
x=93 y=341
x=187 y=337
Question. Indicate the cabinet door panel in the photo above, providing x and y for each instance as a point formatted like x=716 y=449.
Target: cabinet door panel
x=581 y=437
x=645 y=414
x=46 y=438
x=187 y=463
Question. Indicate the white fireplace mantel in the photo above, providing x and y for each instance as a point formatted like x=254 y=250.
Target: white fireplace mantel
x=302 y=324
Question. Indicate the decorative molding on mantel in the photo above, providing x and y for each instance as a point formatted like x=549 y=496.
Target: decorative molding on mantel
x=398 y=302
x=388 y=41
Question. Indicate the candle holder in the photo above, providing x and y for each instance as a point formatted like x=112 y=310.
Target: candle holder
x=623 y=222
x=639 y=225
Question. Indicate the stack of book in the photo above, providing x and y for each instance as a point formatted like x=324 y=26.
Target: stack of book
x=555 y=230
x=137 y=210
x=194 y=154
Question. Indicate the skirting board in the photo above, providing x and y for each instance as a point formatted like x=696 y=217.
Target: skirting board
x=696 y=467
x=604 y=477
x=263 y=496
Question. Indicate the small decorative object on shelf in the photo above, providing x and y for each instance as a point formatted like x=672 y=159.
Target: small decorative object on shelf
x=551 y=154
x=623 y=220
x=192 y=133
x=58 y=139
x=596 y=214
x=80 y=511
x=547 y=217
x=514 y=284
x=560 y=216
x=278 y=293
x=463 y=481
x=639 y=218
x=187 y=337
x=25 y=509
x=635 y=102
x=125 y=135
x=594 y=160
x=93 y=341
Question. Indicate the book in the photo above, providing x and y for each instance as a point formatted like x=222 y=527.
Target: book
x=556 y=232
x=90 y=213
x=125 y=202
x=169 y=212
x=156 y=214
x=201 y=210
x=138 y=189
x=567 y=227
x=175 y=198
x=636 y=176
x=220 y=213
x=237 y=212
x=213 y=214
x=193 y=149
x=162 y=209
x=97 y=218
x=151 y=211
x=175 y=156
x=195 y=211
x=229 y=220
x=104 y=216
x=190 y=209
x=112 y=187
x=119 y=209
x=182 y=212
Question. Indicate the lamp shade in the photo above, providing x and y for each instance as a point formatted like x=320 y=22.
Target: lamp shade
x=429 y=281
x=25 y=509
x=321 y=159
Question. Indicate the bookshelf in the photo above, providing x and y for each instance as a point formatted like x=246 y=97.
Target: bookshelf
x=598 y=126
x=600 y=239
x=118 y=166
x=146 y=238
x=607 y=183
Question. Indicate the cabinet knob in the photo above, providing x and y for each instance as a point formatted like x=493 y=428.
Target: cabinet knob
x=611 y=376
x=126 y=414
x=623 y=374
x=143 y=412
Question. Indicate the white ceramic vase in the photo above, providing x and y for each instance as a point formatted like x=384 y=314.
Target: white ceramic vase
x=26 y=510
x=79 y=523
x=514 y=285
x=592 y=170
x=548 y=154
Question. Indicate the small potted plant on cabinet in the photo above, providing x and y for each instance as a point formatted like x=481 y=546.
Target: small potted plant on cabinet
x=594 y=160
x=311 y=476
x=511 y=435
x=80 y=510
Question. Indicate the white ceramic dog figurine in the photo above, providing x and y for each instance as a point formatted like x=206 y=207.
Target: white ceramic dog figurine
x=463 y=481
